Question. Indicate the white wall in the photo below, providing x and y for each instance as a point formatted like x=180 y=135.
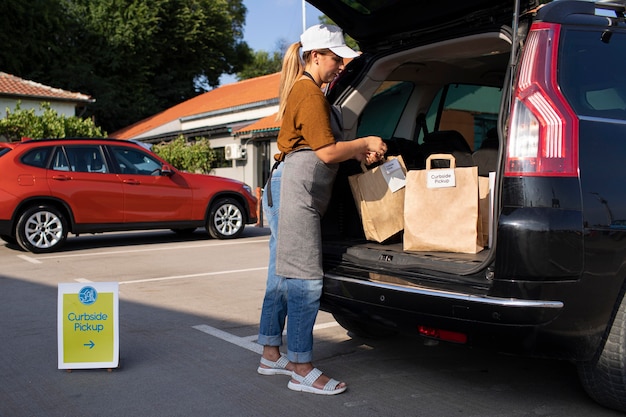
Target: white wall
x=242 y=170
x=196 y=122
x=67 y=109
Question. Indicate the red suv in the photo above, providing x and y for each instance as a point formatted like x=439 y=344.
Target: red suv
x=51 y=187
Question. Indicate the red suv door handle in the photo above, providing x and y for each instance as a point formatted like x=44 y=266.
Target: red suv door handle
x=132 y=182
x=61 y=177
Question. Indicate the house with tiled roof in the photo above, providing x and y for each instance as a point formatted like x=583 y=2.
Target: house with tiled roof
x=239 y=119
x=31 y=94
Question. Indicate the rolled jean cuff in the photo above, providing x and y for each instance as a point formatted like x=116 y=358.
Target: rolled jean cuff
x=300 y=357
x=264 y=340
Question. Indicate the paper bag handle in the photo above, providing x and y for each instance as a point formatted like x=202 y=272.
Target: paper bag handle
x=365 y=168
x=445 y=156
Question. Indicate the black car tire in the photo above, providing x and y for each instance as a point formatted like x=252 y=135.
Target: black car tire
x=41 y=229
x=361 y=328
x=226 y=219
x=604 y=377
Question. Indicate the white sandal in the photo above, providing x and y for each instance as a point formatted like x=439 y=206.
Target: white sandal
x=305 y=384
x=274 y=368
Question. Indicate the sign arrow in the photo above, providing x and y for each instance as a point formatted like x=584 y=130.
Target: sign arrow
x=91 y=344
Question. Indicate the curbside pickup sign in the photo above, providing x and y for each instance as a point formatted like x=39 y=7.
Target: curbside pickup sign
x=88 y=325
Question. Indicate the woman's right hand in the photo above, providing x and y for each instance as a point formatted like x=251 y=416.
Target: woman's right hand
x=375 y=150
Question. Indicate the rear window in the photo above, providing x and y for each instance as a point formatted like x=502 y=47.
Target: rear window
x=382 y=114
x=4 y=150
x=471 y=110
x=37 y=157
x=591 y=72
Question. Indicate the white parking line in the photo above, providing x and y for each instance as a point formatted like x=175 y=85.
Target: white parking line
x=29 y=259
x=320 y=326
x=174 y=277
x=230 y=338
x=248 y=342
x=201 y=274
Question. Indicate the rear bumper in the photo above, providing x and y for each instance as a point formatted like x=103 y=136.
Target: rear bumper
x=424 y=302
x=542 y=327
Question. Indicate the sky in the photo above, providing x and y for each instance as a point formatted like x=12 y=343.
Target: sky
x=270 y=21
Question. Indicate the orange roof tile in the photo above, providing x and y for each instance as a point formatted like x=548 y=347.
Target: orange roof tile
x=261 y=125
x=248 y=91
x=11 y=85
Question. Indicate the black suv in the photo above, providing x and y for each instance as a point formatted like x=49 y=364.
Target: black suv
x=538 y=92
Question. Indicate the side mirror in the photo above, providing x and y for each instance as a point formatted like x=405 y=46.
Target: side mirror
x=166 y=171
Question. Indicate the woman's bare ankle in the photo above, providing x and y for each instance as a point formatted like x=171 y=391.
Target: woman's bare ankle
x=271 y=353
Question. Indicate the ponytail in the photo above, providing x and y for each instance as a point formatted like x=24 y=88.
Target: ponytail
x=292 y=70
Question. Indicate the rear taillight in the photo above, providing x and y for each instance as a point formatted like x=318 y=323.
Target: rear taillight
x=543 y=129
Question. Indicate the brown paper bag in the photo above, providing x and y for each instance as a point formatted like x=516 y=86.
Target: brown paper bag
x=441 y=209
x=484 y=208
x=380 y=208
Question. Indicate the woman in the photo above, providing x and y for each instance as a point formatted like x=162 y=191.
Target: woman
x=301 y=185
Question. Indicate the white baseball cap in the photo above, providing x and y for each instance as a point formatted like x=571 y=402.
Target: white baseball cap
x=326 y=37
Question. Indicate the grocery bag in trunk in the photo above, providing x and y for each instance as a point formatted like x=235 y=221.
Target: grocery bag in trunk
x=441 y=209
x=379 y=197
x=485 y=207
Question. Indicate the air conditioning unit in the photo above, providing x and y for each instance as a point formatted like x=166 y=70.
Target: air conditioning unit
x=234 y=151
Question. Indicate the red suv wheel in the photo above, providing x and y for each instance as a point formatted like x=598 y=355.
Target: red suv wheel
x=41 y=229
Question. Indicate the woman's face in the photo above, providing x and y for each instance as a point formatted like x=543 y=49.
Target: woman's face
x=329 y=66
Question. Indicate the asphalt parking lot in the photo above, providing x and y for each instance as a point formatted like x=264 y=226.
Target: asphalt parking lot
x=188 y=318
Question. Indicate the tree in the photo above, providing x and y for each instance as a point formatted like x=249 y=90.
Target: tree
x=135 y=57
x=194 y=156
x=25 y=123
x=30 y=34
x=262 y=64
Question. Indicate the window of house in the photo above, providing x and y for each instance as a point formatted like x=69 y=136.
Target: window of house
x=220 y=159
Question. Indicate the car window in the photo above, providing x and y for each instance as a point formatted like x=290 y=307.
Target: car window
x=135 y=161
x=59 y=161
x=4 y=150
x=382 y=114
x=37 y=157
x=471 y=110
x=79 y=158
x=596 y=88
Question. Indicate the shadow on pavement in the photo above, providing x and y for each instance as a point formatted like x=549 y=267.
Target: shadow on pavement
x=122 y=239
x=168 y=368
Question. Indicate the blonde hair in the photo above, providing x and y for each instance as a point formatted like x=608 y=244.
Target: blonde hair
x=292 y=70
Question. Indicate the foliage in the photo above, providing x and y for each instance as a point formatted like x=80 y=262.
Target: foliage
x=20 y=123
x=262 y=64
x=196 y=156
x=135 y=57
x=30 y=35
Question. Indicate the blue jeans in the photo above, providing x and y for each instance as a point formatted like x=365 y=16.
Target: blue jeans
x=299 y=297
